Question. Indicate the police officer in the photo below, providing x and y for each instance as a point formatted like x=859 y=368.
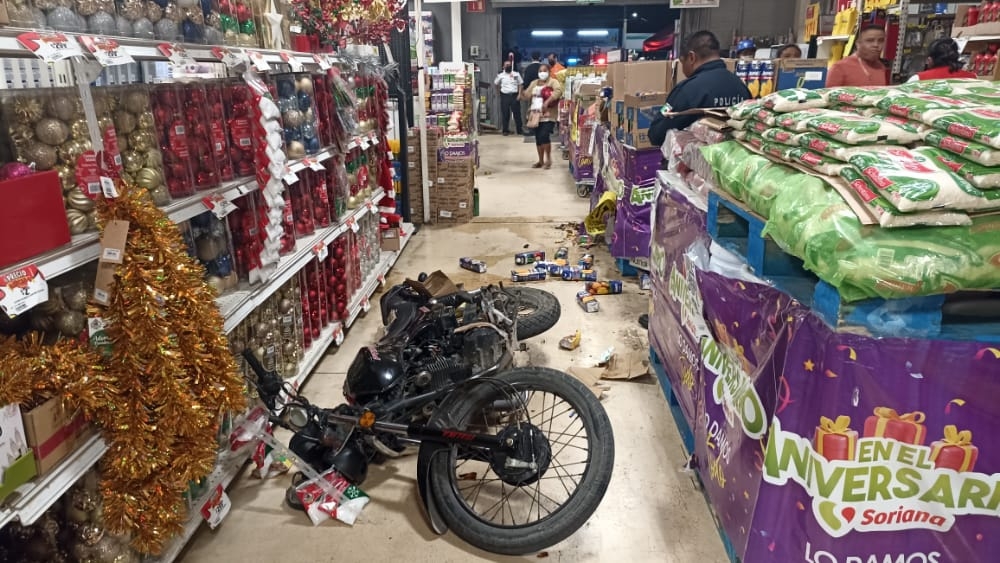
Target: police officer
x=709 y=84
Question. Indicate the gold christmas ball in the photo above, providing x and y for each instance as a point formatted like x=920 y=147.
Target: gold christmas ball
x=66 y=177
x=230 y=36
x=70 y=150
x=78 y=200
x=92 y=220
x=86 y=7
x=132 y=161
x=285 y=306
x=51 y=131
x=61 y=107
x=132 y=9
x=148 y=178
x=154 y=158
x=27 y=110
x=86 y=145
x=352 y=202
x=43 y=156
x=71 y=323
x=305 y=84
x=103 y=104
x=105 y=123
x=209 y=247
x=172 y=12
x=78 y=222
x=126 y=177
x=160 y=196
x=194 y=14
x=296 y=150
x=141 y=141
x=146 y=120
x=21 y=134
x=122 y=143
x=75 y=299
x=136 y=101
x=216 y=283
x=153 y=11
x=79 y=129
x=246 y=40
x=288 y=348
x=89 y=534
x=292 y=118
x=125 y=122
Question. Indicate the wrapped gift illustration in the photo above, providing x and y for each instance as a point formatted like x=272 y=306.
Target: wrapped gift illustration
x=955 y=450
x=887 y=423
x=834 y=439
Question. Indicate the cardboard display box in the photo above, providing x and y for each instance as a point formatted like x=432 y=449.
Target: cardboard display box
x=390 y=240
x=800 y=73
x=53 y=433
x=17 y=462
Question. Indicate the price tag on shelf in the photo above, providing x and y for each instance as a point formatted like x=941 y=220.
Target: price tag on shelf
x=370 y=205
x=338 y=335
x=258 y=61
x=314 y=164
x=321 y=251
x=365 y=143
x=107 y=51
x=322 y=61
x=229 y=57
x=292 y=61
x=215 y=510
x=290 y=177
x=176 y=54
x=295 y=28
x=366 y=305
x=50 y=47
x=218 y=205
x=353 y=224
x=22 y=289
x=356 y=142
x=381 y=279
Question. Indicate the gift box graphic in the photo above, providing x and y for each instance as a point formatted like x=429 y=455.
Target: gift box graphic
x=887 y=423
x=834 y=440
x=955 y=450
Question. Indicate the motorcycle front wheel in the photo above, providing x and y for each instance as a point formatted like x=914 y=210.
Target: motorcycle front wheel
x=562 y=468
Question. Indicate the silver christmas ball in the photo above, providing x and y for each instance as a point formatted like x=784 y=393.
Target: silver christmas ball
x=124 y=28
x=213 y=36
x=63 y=19
x=102 y=23
x=166 y=29
x=142 y=28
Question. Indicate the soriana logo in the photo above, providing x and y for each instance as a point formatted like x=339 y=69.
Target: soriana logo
x=883 y=478
x=733 y=388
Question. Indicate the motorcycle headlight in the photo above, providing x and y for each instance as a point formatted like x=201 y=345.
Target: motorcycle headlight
x=296 y=416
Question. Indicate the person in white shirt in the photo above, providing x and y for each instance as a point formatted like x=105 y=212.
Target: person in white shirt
x=509 y=82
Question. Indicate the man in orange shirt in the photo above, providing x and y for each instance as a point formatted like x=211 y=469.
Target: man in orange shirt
x=554 y=66
x=864 y=67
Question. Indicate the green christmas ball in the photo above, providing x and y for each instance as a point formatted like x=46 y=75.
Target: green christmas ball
x=228 y=23
x=248 y=27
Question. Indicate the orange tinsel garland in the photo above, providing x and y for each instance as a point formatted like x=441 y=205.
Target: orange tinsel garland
x=159 y=395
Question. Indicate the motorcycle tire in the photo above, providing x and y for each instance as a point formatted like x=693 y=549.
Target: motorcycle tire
x=291 y=493
x=541 y=311
x=513 y=539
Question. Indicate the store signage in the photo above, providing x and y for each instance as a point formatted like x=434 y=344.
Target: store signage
x=107 y=51
x=679 y=4
x=50 y=47
x=22 y=289
x=475 y=6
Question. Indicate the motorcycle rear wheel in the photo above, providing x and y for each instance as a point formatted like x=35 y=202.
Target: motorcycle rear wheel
x=457 y=473
x=539 y=311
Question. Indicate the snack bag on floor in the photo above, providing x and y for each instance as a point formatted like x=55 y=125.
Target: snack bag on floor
x=321 y=504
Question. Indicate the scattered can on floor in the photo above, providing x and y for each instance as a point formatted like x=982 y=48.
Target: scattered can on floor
x=574 y=273
x=529 y=257
x=584 y=240
x=562 y=253
x=645 y=282
x=472 y=265
x=610 y=287
x=527 y=275
x=587 y=302
x=553 y=268
x=586 y=261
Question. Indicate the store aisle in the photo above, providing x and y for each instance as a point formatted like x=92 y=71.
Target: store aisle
x=652 y=511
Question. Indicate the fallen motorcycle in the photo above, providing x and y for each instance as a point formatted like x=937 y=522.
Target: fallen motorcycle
x=512 y=463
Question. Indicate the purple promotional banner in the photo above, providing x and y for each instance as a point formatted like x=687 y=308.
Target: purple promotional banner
x=817 y=446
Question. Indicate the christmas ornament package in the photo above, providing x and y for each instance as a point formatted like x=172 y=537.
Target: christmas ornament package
x=219 y=136
x=340 y=282
x=204 y=135
x=301 y=196
x=172 y=139
x=237 y=104
x=245 y=232
x=207 y=239
x=128 y=129
x=47 y=130
x=298 y=113
x=238 y=22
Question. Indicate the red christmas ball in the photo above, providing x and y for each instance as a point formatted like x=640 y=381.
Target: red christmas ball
x=341 y=288
x=315 y=332
x=341 y=308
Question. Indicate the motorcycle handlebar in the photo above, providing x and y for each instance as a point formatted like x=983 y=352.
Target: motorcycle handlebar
x=268 y=383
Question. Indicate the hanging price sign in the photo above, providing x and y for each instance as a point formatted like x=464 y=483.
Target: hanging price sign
x=366 y=305
x=176 y=54
x=218 y=205
x=321 y=251
x=229 y=57
x=353 y=224
x=50 y=47
x=258 y=60
x=292 y=61
x=107 y=51
x=381 y=279
x=22 y=289
x=215 y=510
x=338 y=335
x=322 y=61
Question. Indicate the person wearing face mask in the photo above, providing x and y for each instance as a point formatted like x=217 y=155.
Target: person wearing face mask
x=746 y=50
x=530 y=74
x=709 y=84
x=509 y=82
x=543 y=95
x=864 y=67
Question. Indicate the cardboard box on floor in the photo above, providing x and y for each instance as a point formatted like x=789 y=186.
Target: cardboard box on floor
x=390 y=240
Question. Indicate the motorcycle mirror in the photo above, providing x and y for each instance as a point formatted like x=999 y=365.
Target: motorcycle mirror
x=297 y=417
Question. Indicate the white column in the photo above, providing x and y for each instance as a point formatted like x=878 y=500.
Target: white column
x=456 y=31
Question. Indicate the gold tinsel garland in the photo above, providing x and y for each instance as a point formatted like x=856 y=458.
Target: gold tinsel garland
x=159 y=396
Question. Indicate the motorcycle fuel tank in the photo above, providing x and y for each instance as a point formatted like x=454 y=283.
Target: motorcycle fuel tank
x=370 y=376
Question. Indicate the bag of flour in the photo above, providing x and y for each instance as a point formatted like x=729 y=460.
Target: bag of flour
x=983 y=177
x=982 y=154
x=888 y=216
x=977 y=124
x=794 y=99
x=859 y=130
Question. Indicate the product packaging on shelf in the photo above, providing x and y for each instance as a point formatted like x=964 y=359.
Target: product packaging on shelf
x=12 y=446
x=245 y=232
x=288 y=302
x=125 y=116
x=64 y=315
x=326 y=107
x=201 y=138
x=208 y=240
x=238 y=23
x=301 y=195
x=217 y=129
x=49 y=131
x=320 y=192
x=140 y=19
x=172 y=139
x=47 y=229
x=97 y=16
x=54 y=432
x=298 y=114
x=339 y=285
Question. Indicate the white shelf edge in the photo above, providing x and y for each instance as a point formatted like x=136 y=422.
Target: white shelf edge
x=823 y=38
x=38 y=495
x=226 y=469
x=290 y=264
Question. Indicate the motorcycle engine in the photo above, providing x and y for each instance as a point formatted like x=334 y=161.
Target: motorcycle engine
x=482 y=348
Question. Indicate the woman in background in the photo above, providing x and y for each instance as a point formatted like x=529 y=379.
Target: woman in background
x=944 y=60
x=544 y=95
x=790 y=51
